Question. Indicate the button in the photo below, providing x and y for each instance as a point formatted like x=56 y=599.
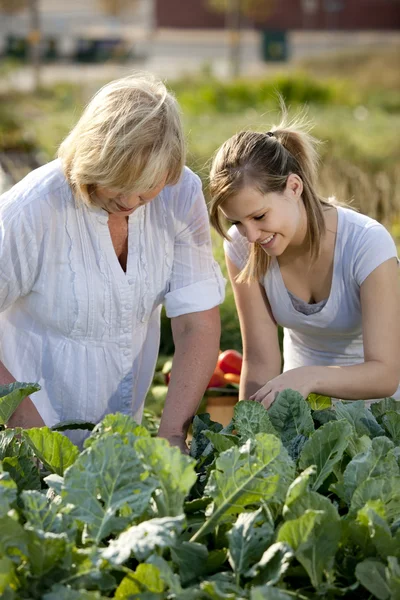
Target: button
x=128 y=307
x=131 y=281
x=126 y=330
x=127 y=352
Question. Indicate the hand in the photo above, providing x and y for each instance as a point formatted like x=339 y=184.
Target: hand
x=299 y=379
x=179 y=441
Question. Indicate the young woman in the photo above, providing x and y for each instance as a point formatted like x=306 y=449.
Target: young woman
x=327 y=274
x=91 y=246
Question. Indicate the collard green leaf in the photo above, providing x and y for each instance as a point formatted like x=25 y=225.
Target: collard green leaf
x=201 y=424
x=251 y=418
x=191 y=560
x=43 y=515
x=116 y=423
x=290 y=415
x=273 y=565
x=143 y=539
x=319 y=402
x=386 y=489
x=220 y=441
x=23 y=471
x=55 y=482
x=325 y=449
x=379 y=409
x=393 y=577
x=145 y=578
x=11 y=396
x=248 y=538
x=378 y=531
x=53 y=449
x=268 y=592
x=371 y=574
x=175 y=473
x=222 y=586
x=391 y=422
x=295 y=446
x=360 y=418
x=104 y=478
x=299 y=499
x=258 y=470
x=13 y=537
x=170 y=579
x=8 y=492
x=45 y=550
x=324 y=416
x=315 y=539
x=375 y=462
x=6 y=437
x=62 y=592
x=8 y=578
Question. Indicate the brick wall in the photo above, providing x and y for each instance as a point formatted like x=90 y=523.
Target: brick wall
x=328 y=14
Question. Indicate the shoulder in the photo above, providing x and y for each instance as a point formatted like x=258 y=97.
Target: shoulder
x=36 y=194
x=185 y=194
x=367 y=243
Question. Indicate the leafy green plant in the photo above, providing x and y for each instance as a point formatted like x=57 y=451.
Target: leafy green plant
x=302 y=501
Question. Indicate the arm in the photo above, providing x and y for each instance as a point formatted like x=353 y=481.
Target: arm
x=261 y=353
x=196 y=337
x=26 y=414
x=378 y=376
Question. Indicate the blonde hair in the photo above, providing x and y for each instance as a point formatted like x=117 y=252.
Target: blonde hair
x=128 y=138
x=264 y=161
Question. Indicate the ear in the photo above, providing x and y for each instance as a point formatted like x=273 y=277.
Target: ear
x=294 y=186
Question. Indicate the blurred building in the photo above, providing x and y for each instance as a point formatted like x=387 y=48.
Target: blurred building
x=344 y=15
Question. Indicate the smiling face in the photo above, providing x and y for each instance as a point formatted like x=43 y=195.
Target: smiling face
x=121 y=204
x=275 y=220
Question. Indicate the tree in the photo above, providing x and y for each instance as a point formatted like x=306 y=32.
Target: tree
x=235 y=10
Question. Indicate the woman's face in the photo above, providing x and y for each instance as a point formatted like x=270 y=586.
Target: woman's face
x=274 y=220
x=117 y=203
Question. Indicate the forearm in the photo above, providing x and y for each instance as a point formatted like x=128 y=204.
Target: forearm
x=196 y=354
x=26 y=415
x=254 y=376
x=372 y=379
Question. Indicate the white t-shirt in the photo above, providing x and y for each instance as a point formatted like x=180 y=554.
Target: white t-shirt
x=70 y=317
x=332 y=336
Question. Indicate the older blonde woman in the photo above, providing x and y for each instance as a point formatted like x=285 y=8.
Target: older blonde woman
x=91 y=246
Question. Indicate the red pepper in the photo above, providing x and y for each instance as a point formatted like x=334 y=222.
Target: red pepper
x=230 y=361
x=217 y=379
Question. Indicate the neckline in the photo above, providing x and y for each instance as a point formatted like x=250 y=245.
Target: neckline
x=284 y=292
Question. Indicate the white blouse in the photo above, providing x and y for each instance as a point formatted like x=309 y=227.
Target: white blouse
x=71 y=319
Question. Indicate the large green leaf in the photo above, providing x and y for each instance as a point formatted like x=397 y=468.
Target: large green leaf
x=116 y=423
x=325 y=448
x=393 y=577
x=46 y=550
x=167 y=575
x=13 y=537
x=221 y=441
x=143 y=539
x=174 y=472
x=23 y=471
x=379 y=409
x=259 y=470
x=191 y=560
x=299 y=499
x=319 y=402
x=386 y=489
x=200 y=443
x=6 y=437
x=379 y=532
x=8 y=577
x=272 y=566
x=62 y=592
x=43 y=515
x=375 y=462
x=314 y=537
x=251 y=418
x=11 y=396
x=103 y=479
x=371 y=574
x=360 y=418
x=290 y=415
x=53 y=449
x=8 y=492
x=248 y=538
x=145 y=578
x=268 y=592
x=391 y=422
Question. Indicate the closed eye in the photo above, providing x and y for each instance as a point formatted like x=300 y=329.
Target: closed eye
x=260 y=217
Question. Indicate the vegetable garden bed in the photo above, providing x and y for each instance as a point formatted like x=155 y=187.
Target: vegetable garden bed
x=291 y=503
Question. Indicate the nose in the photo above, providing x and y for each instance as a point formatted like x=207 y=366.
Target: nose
x=252 y=233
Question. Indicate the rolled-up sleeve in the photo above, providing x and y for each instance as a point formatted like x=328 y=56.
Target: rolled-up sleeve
x=196 y=282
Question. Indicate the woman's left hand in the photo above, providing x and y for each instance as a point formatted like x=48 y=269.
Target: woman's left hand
x=179 y=441
x=299 y=379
